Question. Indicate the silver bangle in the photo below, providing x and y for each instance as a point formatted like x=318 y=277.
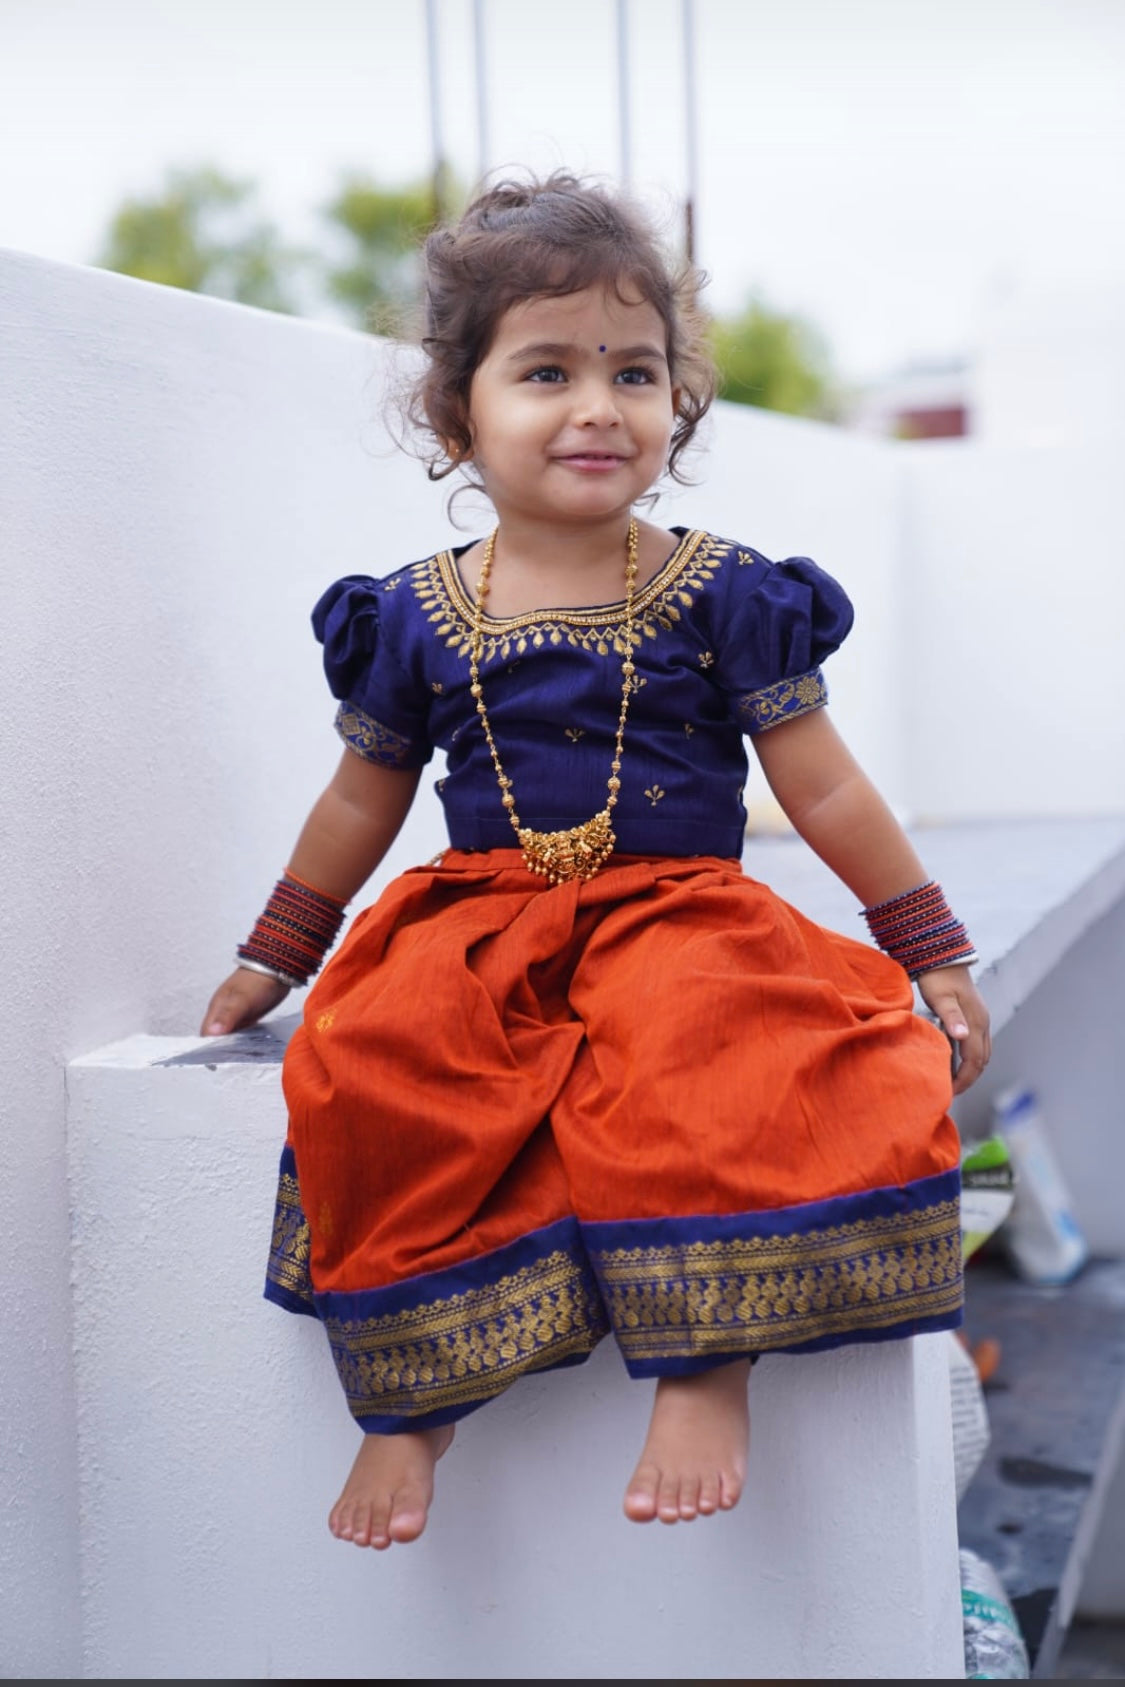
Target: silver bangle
x=269 y=972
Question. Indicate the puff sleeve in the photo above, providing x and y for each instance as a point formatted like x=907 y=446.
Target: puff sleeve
x=381 y=717
x=792 y=616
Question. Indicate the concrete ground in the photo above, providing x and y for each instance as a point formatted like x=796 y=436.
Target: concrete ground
x=1093 y=1651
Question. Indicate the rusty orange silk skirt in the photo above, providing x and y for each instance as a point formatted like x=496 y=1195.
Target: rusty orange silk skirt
x=661 y=1103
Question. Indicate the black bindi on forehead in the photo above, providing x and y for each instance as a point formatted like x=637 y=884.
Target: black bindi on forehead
x=601 y=348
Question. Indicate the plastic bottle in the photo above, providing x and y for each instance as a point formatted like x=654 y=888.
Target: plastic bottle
x=994 y=1646
x=1041 y=1234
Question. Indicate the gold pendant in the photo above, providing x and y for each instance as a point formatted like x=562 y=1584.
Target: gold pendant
x=575 y=854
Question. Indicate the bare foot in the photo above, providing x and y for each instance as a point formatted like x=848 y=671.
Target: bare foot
x=388 y=1491
x=694 y=1458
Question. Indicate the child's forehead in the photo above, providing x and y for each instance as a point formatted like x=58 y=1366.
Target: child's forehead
x=595 y=312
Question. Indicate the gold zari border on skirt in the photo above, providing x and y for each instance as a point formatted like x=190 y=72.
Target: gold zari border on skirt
x=468 y=1346
x=289 y=1248
x=765 y=1292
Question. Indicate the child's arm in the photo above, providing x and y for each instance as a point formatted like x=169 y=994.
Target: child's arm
x=351 y=827
x=839 y=813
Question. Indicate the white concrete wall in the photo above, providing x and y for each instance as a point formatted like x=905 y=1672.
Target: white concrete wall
x=1013 y=564
x=217 y=1438
x=1050 y=370
x=180 y=479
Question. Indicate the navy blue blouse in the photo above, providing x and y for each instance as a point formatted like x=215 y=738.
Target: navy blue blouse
x=731 y=643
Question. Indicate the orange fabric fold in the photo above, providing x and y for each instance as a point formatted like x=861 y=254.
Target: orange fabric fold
x=484 y=1056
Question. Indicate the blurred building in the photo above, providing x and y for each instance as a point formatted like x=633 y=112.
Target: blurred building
x=1048 y=370
x=921 y=401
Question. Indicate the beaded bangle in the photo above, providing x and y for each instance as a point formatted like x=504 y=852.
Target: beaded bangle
x=294 y=931
x=919 y=931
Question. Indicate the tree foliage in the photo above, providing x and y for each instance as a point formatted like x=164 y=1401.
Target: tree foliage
x=203 y=232
x=380 y=275
x=774 y=361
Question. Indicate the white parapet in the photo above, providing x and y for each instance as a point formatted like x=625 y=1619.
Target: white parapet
x=213 y=1438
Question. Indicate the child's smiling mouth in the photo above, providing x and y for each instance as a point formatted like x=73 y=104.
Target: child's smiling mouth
x=593 y=461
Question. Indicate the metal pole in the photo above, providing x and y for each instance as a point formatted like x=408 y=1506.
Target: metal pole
x=623 y=92
x=437 y=142
x=691 y=152
x=484 y=146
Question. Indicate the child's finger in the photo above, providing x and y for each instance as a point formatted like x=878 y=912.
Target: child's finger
x=950 y=1016
x=972 y=1062
x=239 y=1002
x=223 y=1015
x=970 y=1034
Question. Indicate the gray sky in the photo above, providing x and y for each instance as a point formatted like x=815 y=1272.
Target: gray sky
x=892 y=168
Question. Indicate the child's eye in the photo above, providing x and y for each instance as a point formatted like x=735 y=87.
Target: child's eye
x=548 y=372
x=636 y=375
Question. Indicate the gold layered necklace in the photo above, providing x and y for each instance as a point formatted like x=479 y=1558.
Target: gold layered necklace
x=581 y=851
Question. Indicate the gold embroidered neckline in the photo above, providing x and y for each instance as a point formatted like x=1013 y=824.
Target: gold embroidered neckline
x=658 y=606
x=600 y=615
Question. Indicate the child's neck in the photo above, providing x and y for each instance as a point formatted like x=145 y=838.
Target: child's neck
x=562 y=567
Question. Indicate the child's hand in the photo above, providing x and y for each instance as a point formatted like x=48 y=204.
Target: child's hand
x=242 y=1000
x=951 y=995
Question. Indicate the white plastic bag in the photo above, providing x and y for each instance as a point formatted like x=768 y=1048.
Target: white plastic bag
x=971 y=1429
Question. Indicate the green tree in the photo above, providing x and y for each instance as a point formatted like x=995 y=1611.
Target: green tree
x=380 y=273
x=204 y=233
x=774 y=361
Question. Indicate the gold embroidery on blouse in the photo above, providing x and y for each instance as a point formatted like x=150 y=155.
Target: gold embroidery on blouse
x=325 y=1021
x=688 y=729
x=370 y=738
x=706 y=659
x=759 y=710
x=574 y=733
x=289 y=1248
x=468 y=1346
x=658 y=606
x=777 y=1291
x=654 y=793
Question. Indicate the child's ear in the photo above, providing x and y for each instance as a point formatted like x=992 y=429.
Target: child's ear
x=677 y=394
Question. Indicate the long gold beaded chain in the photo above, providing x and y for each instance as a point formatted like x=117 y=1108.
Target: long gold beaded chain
x=583 y=850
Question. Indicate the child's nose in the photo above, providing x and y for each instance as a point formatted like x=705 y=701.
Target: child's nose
x=596 y=403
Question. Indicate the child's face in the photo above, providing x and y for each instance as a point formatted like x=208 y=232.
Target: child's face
x=572 y=409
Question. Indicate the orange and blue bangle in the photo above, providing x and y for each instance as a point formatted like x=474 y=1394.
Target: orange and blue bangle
x=293 y=933
x=920 y=931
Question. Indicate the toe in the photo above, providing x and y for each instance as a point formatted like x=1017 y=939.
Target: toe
x=709 y=1494
x=640 y=1496
x=689 y=1498
x=668 y=1499
x=377 y=1531
x=409 y=1511
x=730 y=1488
x=343 y=1519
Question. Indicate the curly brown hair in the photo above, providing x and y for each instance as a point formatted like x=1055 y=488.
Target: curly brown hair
x=531 y=239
